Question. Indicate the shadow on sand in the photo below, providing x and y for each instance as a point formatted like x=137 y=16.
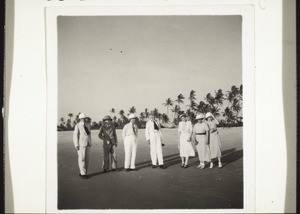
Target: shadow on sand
x=228 y=156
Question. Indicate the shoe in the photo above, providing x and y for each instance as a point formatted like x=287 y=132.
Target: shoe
x=211 y=165
x=220 y=164
x=200 y=166
x=182 y=165
x=116 y=169
x=133 y=169
x=185 y=166
x=104 y=170
x=153 y=166
x=161 y=166
x=83 y=176
x=127 y=170
x=162 y=144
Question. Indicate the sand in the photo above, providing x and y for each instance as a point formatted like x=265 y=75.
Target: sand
x=147 y=188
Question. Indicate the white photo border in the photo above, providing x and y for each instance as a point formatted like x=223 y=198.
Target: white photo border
x=248 y=76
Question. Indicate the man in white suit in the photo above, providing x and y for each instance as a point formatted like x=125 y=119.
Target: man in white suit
x=129 y=134
x=82 y=142
x=154 y=138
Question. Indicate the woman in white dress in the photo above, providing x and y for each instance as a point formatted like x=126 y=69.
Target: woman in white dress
x=200 y=138
x=186 y=149
x=214 y=139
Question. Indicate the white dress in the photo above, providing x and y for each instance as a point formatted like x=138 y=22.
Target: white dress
x=214 y=140
x=185 y=130
x=201 y=136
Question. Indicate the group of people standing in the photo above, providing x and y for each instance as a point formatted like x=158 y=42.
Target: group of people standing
x=203 y=134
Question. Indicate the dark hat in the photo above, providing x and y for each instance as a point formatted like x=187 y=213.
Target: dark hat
x=107 y=117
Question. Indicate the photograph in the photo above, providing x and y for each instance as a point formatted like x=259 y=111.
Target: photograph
x=140 y=106
x=150 y=112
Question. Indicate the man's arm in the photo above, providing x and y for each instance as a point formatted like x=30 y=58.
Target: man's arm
x=124 y=131
x=137 y=129
x=76 y=137
x=100 y=135
x=115 y=136
x=147 y=132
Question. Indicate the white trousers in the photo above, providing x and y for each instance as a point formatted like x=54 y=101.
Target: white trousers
x=83 y=159
x=156 y=149
x=130 y=145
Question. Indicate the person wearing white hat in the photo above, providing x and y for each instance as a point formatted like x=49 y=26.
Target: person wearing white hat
x=186 y=149
x=200 y=138
x=107 y=133
x=154 y=137
x=82 y=142
x=129 y=134
x=214 y=139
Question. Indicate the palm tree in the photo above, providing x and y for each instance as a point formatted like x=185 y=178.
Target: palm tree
x=132 y=110
x=210 y=99
x=215 y=111
x=219 y=97
x=165 y=118
x=70 y=115
x=88 y=119
x=113 y=111
x=203 y=108
x=94 y=125
x=77 y=118
x=122 y=119
x=168 y=103
x=68 y=125
x=115 y=119
x=121 y=113
x=236 y=106
x=240 y=95
x=62 y=122
x=180 y=99
x=241 y=90
x=191 y=114
x=176 y=111
x=232 y=93
x=192 y=106
x=142 y=116
x=146 y=113
x=156 y=113
x=229 y=116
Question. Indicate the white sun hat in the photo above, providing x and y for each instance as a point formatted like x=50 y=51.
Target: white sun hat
x=82 y=116
x=131 y=116
x=208 y=114
x=200 y=116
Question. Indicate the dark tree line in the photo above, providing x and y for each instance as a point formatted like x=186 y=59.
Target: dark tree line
x=231 y=101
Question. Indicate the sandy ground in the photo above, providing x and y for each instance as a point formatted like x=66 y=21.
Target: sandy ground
x=147 y=188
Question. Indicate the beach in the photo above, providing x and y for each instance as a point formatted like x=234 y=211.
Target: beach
x=148 y=188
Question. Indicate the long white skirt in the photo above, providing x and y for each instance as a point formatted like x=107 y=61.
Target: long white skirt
x=203 y=148
x=186 y=148
x=215 y=145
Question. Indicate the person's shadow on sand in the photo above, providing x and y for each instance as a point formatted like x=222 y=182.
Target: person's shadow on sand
x=228 y=156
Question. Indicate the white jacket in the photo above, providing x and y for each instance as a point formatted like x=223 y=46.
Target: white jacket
x=149 y=131
x=80 y=137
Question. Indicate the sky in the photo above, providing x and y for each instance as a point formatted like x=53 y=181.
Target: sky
x=107 y=62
